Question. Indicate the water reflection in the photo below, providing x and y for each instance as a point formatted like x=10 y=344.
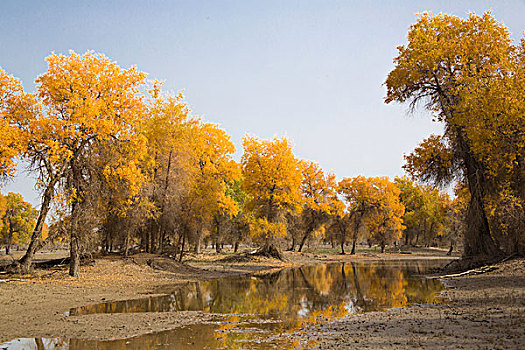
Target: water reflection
x=290 y=294
x=263 y=308
x=224 y=335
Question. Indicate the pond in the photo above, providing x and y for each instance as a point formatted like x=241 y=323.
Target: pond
x=256 y=312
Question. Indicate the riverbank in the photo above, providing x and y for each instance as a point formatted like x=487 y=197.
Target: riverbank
x=36 y=306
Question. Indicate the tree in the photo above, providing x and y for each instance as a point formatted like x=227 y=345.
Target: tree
x=167 y=128
x=90 y=103
x=426 y=211
x=272 y=177
x=385 y=223
x=450 y=65
x=319 y=195
x=361 y=199
x=17 y=221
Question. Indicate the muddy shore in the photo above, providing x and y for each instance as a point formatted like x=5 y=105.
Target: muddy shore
x=485 y=311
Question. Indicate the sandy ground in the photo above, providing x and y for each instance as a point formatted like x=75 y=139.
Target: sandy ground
x=483 y=311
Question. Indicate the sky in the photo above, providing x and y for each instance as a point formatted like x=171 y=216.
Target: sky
x=309 y=70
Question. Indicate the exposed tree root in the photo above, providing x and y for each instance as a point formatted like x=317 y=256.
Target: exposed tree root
x=270 y=251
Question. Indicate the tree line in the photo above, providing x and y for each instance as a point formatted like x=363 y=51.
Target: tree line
x=123 y=165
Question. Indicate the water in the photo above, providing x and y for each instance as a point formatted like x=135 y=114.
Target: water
x=259 y=310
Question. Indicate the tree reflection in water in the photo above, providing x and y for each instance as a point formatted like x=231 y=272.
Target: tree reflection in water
x=271 y=304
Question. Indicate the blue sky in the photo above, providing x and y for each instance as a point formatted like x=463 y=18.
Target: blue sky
x=310 y=70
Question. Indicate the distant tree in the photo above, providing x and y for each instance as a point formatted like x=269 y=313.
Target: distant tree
x=361 y=198
x=17 y=220
x=426 y=211
x=272 y=178
x=385 y=222
x=319 y=199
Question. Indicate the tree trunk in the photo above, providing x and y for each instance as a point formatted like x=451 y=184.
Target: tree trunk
x=449 y=253
x=39 y=344
x=182 y=248
x=354 y=241
x=197 y=248
x=27 y=260
x=7 y=250
x=478 y=240
x=270 y=250
x=382 y=247
x=236 y=247
x=126 y=244
x=218 y=248
x=74 y=263
x=303 y=240
x=342 y=247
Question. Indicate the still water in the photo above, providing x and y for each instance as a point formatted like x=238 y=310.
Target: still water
x=256 y=312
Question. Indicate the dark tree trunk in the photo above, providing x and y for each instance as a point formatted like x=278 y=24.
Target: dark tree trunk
x=74 y=263
x=7 y=250
x=148 y=240
x=182 y=248
x=218 y=248
x=126 y=244
x=342 y=246
x=236 y=247
x=354 y=241
x=478 y=240
x=451 y=247
x=303 y=240
x=39 y=344
x=177 y=247
x=382 y=247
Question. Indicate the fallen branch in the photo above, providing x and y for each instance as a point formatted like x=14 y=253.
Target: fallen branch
x=15 y=280
x=480 y=271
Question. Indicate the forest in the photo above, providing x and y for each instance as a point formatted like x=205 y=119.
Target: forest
x=124 y=166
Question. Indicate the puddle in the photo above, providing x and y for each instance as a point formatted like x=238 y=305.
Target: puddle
x=288 y=300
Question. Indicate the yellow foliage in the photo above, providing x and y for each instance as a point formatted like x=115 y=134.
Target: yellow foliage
x=376 y=201
x=319 y=191
x=16 y=109
x=272 y=178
